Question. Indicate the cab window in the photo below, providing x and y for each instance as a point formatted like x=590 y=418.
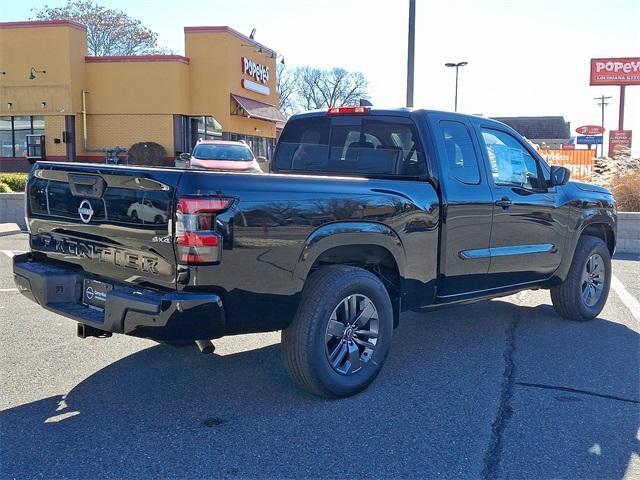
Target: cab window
x=373 y=145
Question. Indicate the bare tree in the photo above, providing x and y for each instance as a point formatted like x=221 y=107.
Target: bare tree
x=308 y=81
x=309 y=88
x=336 y=87
x=109 y=32
x=285 y=86
x=339 y=87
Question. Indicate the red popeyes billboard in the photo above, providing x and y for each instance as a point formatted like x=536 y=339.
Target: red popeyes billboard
x=615 y=71
x=590 y=130
x=618 y=139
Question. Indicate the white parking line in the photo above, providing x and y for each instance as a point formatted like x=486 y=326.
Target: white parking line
x=8 y=290
x=629 y=300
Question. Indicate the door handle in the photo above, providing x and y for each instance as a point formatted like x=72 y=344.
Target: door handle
x=504 y=202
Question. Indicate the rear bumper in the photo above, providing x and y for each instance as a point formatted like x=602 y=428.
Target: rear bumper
x=142 y=312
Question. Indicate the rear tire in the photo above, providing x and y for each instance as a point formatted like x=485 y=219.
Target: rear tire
x=584 y=292
x=341 y=335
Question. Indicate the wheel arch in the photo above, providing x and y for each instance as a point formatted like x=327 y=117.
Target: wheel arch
x=603 y=231
x=372 y=246
x=601 y=227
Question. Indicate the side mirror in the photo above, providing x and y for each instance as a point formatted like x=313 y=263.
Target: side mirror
x=185 y=157
x=559 y=175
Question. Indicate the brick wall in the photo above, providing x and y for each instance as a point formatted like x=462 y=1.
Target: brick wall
x=107 y=131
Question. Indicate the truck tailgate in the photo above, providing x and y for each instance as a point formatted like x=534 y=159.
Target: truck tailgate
x=112 y=221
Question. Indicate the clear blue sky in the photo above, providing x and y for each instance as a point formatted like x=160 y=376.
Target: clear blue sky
x=526 y=57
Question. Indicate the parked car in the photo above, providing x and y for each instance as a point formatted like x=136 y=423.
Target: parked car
x=221 y=155
x=369 y=213
x=147 y=212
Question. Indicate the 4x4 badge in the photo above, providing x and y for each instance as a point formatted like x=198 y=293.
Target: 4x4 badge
x=166 y=239
x=86 y=211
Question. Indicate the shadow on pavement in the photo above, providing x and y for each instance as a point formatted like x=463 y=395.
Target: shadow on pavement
x=176 y=413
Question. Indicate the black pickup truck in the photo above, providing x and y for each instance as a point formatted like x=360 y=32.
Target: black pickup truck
x=369 y=213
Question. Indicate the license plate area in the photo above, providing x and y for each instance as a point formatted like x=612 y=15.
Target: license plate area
x=94 y=293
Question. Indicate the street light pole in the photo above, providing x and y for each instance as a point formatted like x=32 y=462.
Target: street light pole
x=411 y=51
x=457 y=66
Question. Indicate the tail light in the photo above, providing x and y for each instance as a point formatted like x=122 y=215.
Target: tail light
x=196 y=239
x=358 y=110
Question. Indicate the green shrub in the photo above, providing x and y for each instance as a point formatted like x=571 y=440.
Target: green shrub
x=4 y=188
x=15 y=181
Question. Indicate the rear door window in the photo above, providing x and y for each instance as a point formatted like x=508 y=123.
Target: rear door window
x=461 y=157
x=373 y=145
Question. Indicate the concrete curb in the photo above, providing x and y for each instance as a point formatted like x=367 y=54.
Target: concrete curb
x=9 y=229
x=12 y=208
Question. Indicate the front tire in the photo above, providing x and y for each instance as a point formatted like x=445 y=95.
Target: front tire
x=341 y=335
x=584 y=292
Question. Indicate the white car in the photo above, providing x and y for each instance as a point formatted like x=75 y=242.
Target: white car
x=147 y=212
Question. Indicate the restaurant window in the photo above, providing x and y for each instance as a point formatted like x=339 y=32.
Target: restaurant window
x=204 y=128
x=14 y=131
x=188 y=130
x=260 y=146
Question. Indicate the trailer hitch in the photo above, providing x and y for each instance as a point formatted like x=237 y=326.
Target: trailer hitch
x=85 y=331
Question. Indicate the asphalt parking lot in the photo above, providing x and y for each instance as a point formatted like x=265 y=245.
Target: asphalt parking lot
x=501 y=388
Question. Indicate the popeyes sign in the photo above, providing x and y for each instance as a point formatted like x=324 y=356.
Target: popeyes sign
x=590 y=130
x=615 y=71
x=255 y=70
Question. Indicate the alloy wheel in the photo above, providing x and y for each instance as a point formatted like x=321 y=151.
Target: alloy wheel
x=352 y=334
x=593 y=278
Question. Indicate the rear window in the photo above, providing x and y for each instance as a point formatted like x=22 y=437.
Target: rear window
x=222 y=152
x=373 y=145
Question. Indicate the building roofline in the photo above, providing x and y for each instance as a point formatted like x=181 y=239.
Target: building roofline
x=44 y=23
x=137 y=58
x=227 y=29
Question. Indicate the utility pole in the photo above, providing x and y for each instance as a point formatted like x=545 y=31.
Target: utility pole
x=602 y=102
x=411 y=51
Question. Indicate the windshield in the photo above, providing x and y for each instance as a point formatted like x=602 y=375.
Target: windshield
x=222 y=152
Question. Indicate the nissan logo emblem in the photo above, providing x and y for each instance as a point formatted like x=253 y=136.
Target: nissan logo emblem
x=90 y=293
x=85 y=211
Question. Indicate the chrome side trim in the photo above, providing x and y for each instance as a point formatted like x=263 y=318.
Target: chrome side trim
x=505 y=251
x=475 y=254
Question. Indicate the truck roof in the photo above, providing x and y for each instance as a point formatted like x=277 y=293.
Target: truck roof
x=409 y=112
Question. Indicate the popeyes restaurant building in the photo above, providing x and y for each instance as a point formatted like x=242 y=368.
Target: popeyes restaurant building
x=58 y=103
